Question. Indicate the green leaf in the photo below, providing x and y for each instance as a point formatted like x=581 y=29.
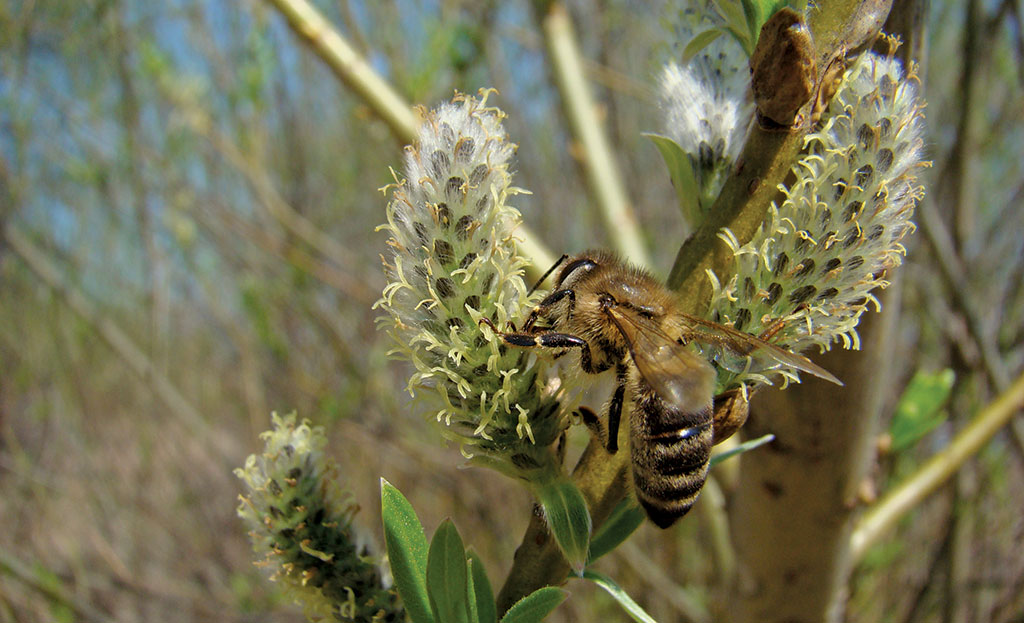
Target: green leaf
x=752 y=13
x=446 y=575
x=700 y=41
x=736 y=24
x=535 y=606
x=620 y=596
x=743 y=38
x=407 y=552
x=732 y=12
x=746 y=446
x=624 y=520
x=483 y=595
x=680 y=170
x=474 y=614
x=568 y=519
x=919 y=409
x=771 y=7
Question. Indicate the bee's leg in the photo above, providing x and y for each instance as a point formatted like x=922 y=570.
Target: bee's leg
x=615 y=409
x=560 y=448
x=593 y=424
x=549 y=340
x=730 y=413
x=772 y=329
x=544 y=305
x=531 y=319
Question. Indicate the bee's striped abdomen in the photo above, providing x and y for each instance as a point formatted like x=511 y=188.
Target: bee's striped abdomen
x=670 y=451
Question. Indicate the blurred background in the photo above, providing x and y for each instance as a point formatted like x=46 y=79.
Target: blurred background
x=188 y=199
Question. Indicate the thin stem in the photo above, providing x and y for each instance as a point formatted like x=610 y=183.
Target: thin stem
x=131 y=114
x=598 y=161
x=882 y=517
x=765 y=162
x=349 y=66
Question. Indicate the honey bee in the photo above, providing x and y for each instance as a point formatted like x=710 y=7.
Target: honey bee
x=620 y=318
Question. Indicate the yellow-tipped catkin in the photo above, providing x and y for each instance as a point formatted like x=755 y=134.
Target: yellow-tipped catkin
x=301 y=527
x=454 y=261
x=817 y=258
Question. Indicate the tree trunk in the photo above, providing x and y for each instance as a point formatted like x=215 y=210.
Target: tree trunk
x=794 y=507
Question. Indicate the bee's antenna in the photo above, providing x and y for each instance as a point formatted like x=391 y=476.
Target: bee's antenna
x=545 y=275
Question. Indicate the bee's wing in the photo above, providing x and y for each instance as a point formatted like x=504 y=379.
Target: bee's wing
x=679 y=377
x=747 y=345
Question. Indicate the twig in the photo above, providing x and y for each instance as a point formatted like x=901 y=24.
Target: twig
x=328 y=273
x=881 y=517
x=351 y=68
x=1009 y=7
x=954 y=273
x=130 y=109
x=958 y=179
x=345 y=8
x=616 y=80
x=955 y=177
x=598 y=162
x=958 y=596
x=916 y=604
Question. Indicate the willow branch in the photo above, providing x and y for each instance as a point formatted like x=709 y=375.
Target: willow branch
x=883 y=516
x=357 y=74
x=538 y=562
x=349 y=66
x=767 y=158
x=598 y=161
